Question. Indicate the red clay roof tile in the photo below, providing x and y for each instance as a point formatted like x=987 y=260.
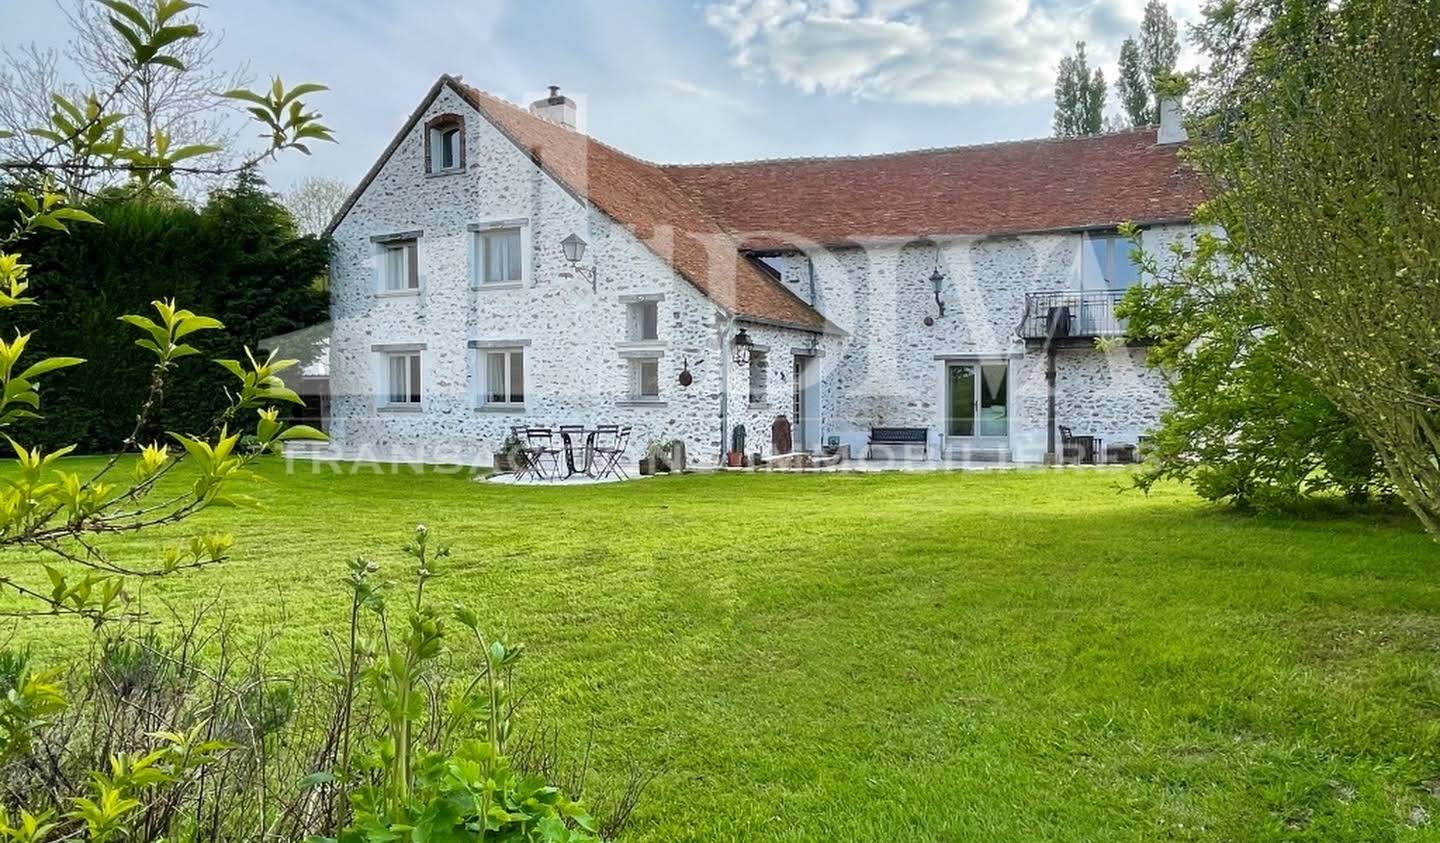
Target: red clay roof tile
x=1002 y=188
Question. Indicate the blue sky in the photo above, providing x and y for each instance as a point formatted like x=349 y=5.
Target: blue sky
x=670 y=80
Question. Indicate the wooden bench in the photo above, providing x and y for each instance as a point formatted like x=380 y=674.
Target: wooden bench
x=899 y=436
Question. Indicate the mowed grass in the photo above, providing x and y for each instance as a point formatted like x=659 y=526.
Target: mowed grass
x=982 y=656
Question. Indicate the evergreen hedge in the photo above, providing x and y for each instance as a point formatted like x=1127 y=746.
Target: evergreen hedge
x=238 y=258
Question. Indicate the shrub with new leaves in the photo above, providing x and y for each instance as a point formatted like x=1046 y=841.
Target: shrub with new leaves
x=57 y=513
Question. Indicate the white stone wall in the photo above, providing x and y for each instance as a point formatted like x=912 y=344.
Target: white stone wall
x=890 y=369
x=575 y=340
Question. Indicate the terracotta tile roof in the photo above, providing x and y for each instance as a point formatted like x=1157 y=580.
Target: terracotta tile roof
x=639 y=195
x=1002 y=188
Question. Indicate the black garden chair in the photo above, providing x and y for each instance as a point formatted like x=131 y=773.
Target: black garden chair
x=544 y=453
x=609 y=451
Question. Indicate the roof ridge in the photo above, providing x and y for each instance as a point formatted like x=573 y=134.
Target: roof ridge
x=659 y=168
x=798 y=159
x=924 y=150
x=526 y=112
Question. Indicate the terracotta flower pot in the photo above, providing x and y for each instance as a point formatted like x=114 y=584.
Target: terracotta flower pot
x=735 y=459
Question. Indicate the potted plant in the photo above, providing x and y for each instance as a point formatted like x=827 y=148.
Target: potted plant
x=507 y=458
x=657 y=458
x=736 y=457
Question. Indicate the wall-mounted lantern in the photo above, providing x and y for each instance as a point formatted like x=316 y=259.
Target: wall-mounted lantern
x=742 y=345
x=574 y=248
x=937 y=284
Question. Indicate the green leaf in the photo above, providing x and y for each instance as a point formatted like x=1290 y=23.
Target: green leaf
x=49 y=364
x=121 y=8
x=191 y=151
x=170 y=34
x=302 y=431
x=75 y=215
x=247 y=96
x=317 y=778
x=130 y=37
x=197 y=323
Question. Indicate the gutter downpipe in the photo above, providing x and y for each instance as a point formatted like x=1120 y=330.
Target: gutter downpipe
x=1050 y=402
x=726 y=325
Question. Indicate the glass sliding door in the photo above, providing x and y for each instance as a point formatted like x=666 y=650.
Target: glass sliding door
x=977 y=400
x=960 y=403
x=994 y=399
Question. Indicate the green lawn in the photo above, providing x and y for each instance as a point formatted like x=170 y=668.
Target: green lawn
x=968 y=656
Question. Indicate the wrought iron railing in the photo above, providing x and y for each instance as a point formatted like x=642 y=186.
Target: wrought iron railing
x=1071 y=314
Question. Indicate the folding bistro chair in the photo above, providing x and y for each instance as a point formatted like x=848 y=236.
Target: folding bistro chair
x=612 y=451
x=545 y=454
x=525 y=456
x=603 y=439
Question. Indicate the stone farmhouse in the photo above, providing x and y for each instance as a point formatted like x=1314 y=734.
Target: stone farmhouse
x=498 y=267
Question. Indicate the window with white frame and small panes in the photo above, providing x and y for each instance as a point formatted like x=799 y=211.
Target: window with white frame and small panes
x=502 y=377
x=645 y=378
x=497 y=256
x=643 y=318
x=401 y=379
x=399 y=266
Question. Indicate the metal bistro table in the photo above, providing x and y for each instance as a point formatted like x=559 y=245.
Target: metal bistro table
x=568 y=435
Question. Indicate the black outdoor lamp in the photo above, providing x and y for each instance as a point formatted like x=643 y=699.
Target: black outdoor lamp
x=742 y=345
x=574 y=248
x=937 y=283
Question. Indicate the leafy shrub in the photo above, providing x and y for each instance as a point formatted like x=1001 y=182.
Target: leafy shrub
x=1245 y=425
x=412 y=736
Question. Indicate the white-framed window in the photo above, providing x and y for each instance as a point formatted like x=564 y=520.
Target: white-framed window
x=446 y=141
x=645 y=378
x=759 y=375
x=502 y=376
x=399 y=266
x=644 y=321
x=1105 y=262
x=498 y=255
x=401 y=379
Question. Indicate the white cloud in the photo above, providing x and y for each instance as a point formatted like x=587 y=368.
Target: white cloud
x=924 y=51
x=714 y=96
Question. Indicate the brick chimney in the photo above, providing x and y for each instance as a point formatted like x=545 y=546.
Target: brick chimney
x=556 y=108
x=1172 y=120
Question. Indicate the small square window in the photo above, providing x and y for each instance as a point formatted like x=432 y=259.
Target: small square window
x=399 y=266
x=644 y=321
x=645 y=378
x=503 y=376
x=759 y=375
x=402 y=379
x=497 y=256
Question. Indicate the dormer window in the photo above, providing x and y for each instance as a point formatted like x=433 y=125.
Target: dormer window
x=445 y=144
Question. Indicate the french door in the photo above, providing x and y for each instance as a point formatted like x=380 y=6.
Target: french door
x=977 y=400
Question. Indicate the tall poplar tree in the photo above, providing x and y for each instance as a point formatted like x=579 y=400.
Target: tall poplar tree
x=1079 y=96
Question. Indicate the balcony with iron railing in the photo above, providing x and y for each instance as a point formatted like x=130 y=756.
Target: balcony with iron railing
x=1071 y=316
